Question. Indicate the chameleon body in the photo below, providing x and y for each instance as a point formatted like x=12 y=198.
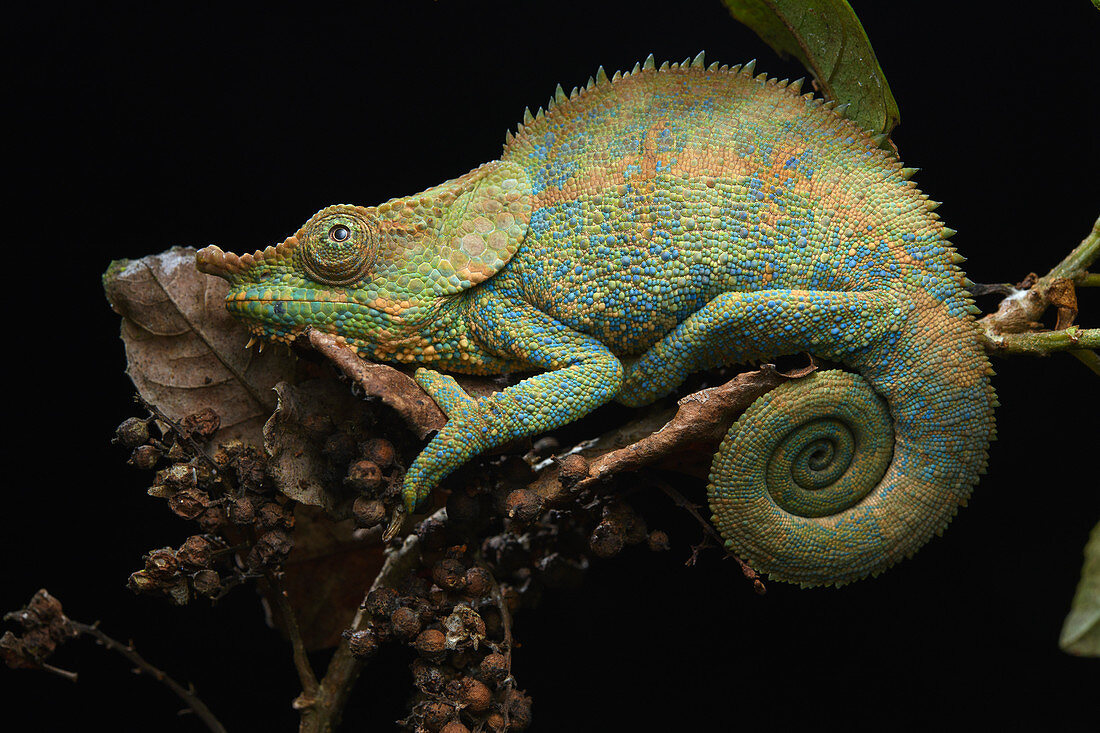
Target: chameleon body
x=650 y=225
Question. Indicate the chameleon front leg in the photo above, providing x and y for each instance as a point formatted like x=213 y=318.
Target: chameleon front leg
x=581 y=374
x=735 y=327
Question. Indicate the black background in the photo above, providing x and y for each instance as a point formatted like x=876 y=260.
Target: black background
x=139 y=129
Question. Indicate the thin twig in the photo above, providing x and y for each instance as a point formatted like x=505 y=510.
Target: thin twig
x=1044 y=342
x=278 y=595
x=193 y=703
x=681 y=501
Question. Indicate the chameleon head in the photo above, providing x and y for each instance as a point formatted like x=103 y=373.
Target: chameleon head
x=281 y=290
x=377 y=276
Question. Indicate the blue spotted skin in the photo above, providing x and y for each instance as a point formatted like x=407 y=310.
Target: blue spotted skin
x=651 y=225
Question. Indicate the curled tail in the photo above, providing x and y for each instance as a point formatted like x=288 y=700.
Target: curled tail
x=838 y=476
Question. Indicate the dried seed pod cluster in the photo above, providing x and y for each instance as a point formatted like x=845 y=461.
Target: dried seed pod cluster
x=246 y=527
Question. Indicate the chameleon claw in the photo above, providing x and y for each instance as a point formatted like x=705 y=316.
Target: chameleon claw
x=396 y=522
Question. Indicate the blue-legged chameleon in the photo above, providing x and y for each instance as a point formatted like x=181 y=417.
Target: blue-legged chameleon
x=650 y=225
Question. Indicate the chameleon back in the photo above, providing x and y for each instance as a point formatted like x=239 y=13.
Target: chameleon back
x=704 y=212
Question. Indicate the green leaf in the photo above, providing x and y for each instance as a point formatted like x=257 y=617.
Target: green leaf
x=1081 y=631
x=827 y=37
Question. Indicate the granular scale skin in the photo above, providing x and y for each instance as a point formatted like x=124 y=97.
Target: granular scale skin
x=654 y=224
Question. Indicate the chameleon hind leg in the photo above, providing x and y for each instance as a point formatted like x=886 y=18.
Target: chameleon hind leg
x=793 y=486
x=735 y=327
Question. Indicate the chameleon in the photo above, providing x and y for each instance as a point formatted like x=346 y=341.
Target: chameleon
x=650 y=225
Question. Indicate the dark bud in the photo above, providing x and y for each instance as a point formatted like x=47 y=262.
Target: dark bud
x=197 y=552
x=271 y=549
x=381 y=602
x=318 y=427
x=339 y=448
x=478 y=582
x=474 y=695
x=427 y=677
x=368 y=512
x=189 y=503
x=454 y=727
x=132 y=432
x=449 y=574
x=606 y=539
x=161 y=564
x=201 y=426
x=432 y=644
x=572 y=469
x=362 y=644
x=363 y=475
x=212 y=519
x=658 y=541
x=406 y=623
x=519 y=710
x=242 y=510
x=274 y=515
x=436 y=714
x=142 y=582
x=206 y=583
x=379 y=451
x=523 y=506
x=493 y=668
x=145 y=457
x=495 y=721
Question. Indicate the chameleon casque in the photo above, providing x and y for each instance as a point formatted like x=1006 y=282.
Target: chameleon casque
x=650 y=225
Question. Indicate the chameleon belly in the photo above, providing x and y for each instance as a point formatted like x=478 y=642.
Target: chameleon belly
x=685 y=217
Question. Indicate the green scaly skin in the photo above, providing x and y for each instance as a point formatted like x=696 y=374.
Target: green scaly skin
x=654 y=224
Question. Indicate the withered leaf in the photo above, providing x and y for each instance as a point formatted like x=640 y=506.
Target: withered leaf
x=297 y=465
x=327 y=574
x=184 y=352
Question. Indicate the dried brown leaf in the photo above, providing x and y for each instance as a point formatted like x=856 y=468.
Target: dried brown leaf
x=183 y=350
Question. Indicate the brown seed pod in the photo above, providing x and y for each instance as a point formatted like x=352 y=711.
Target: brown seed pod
x=189 y=503
x=362 y=644
x=606 y=540
x=475 y=695
x=454 y=727
x=478 y=582
x=161 y=564
x=145 y=457
x=368 y=512
x=406 y=623
x=493 y=668
x=197 y=552
x=379 y=451
x=132 y=432
x=523 y=506
x=363 y=475
x=658 y=541
x=206 y=583
x=436 y=714
x=381 y=602
x=449 y=574
x=242 y=510
x=431 y=643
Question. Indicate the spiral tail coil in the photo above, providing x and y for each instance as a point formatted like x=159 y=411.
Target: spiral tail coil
x=797 y=485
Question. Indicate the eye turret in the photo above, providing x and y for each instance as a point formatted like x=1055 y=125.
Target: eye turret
x=341 y=245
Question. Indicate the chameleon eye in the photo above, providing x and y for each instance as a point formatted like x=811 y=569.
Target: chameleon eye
x=340 y=244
